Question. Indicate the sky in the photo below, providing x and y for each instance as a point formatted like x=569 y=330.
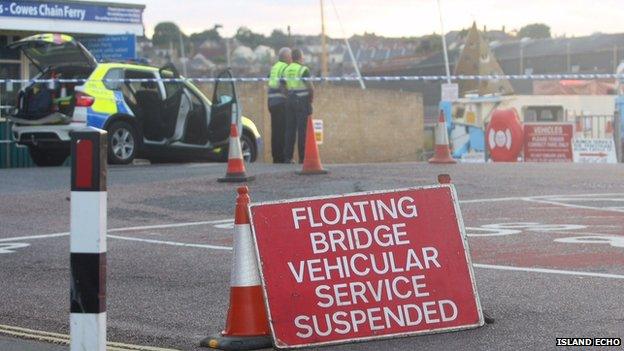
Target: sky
x=386 y=17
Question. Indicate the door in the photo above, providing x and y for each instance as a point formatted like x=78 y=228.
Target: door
x=146 y=101
x=196 y=122
x=224 y=109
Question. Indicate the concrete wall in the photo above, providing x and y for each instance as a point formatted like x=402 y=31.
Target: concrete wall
x=372 y=125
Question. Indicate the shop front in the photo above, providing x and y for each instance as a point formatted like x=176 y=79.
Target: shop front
x=107 y=29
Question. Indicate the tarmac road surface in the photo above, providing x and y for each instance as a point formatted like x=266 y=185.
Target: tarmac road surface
x=547 y=241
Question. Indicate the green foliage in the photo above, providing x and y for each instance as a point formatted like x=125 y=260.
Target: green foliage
x=278 y=39
x=535 y=31
x=209 y=34
x=166 y=33
x=247 y=37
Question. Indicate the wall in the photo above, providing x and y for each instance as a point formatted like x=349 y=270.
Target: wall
x=372 y=125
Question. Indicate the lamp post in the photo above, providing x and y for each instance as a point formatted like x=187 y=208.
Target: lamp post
x=523 y=42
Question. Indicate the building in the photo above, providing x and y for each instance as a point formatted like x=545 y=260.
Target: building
x=94 y=22
x=598 y=53
x=109 y=30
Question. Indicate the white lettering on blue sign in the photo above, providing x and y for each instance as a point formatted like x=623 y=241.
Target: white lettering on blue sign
x=73 y=12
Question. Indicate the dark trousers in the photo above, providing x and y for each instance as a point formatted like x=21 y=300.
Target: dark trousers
x=278 y=131
x=299 y=108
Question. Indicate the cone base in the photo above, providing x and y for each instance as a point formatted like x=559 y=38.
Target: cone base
x=448 y=160
x=224 y=342
x=236 y=178
x=312 y=172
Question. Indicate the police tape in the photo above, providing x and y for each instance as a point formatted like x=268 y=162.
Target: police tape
x=432 y=78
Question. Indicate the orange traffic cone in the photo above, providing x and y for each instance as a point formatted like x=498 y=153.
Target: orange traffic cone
x=311 y=160
x=247 y=325
x=442 y=153
x=236 y=165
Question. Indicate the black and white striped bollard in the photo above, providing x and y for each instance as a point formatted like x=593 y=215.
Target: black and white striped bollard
x=88 y=240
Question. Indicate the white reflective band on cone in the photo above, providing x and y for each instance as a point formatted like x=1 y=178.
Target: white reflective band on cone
x=235 y=149
x=90 y=329
x=88 y=226
x=245 y=267
x=441 y=137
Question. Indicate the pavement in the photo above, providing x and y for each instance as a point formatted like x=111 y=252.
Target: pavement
x=547 y=243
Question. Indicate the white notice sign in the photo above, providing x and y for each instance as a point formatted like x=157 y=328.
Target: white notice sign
x=450 y=91
x=593 y=150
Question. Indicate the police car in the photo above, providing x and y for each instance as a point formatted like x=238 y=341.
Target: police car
x=145 y=117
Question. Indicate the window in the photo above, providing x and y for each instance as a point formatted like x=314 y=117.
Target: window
x=171 y=87
x=10 y=68
x=115 y=76
x=9 y=71
x=5 y=52
x=543 y=114
x=136 y=86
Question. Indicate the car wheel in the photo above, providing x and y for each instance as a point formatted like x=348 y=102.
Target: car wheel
x=48 y=157
x=122 y=143
x=249 y=148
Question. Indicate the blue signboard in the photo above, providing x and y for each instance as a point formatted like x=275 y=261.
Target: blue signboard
x=111 y=47
x=71 y=11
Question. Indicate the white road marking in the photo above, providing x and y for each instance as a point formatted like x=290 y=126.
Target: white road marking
x=549 y=271
x=496 y=199
x=171 y=225
x=554 y=203
x=122 y=229
x=613 y=240
x=42 y=236
x=501 y=229
x=226 y=223
x=172 y=243
x=11 y=247
x=520 y=198
x=588 y=199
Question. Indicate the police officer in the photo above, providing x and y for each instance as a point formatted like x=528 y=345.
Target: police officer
x=277 y=104
x=299 y=106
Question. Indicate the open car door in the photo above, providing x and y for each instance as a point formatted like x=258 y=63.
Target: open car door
x=225 y=110
x=175 y=105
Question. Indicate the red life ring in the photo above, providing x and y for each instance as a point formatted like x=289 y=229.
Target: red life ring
x=504 y=136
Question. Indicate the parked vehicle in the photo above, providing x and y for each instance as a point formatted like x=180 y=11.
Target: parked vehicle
x=162 y=121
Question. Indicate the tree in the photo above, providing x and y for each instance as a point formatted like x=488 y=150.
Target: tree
x=278 y=39
x=430 y=43
x=246 y=37
x=209 y=34
x=535 y=31
x=166 y=33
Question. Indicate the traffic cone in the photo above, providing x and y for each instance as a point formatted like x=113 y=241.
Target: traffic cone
x=442 y=153
x=236 y=165
x=247 y=324
x=311 y=160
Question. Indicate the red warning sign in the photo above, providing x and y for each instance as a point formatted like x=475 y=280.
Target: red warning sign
x=365 y=266
x=548 y=142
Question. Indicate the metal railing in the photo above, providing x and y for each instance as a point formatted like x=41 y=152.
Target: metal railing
x=595 y=126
